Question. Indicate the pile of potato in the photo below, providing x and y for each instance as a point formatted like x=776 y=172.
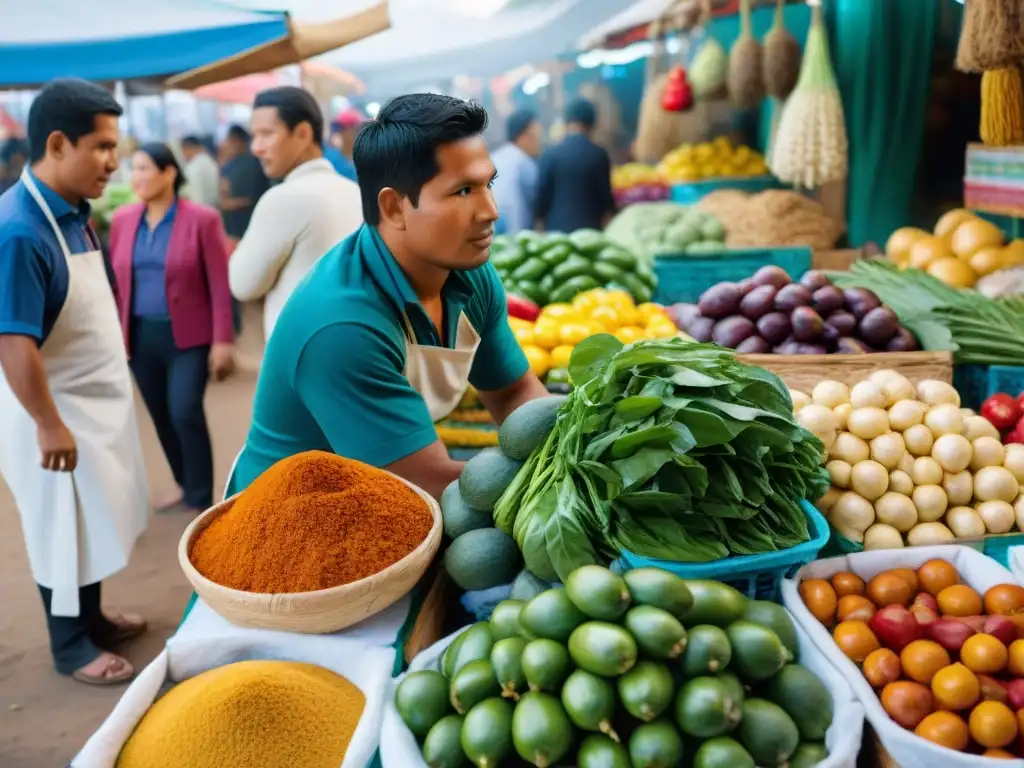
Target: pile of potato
x=909 y=465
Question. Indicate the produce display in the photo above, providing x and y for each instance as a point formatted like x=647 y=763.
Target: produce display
x=257 y=714
x=470 y=425
x=652 y=229
x=1006 y=413
x=947 y=662
x=962 y=249
x=774 y=217
x=115 y=196
x=977 y=329
x=553 y=268
x=667 y=449
x=718 y=159
x=549 y=341
x=770 y=313
x=312 y=521
x=908 y=465
x=640 y=671
x=637 y=183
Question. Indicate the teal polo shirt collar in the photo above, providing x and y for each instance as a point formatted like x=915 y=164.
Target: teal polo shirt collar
x=61 y=208
x=390 y=278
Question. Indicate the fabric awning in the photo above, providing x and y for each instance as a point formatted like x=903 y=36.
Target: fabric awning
x=124 y=39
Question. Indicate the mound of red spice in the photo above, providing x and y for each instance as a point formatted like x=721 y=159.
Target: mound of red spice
x=312 y=521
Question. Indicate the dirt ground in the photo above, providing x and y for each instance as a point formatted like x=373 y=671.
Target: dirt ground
x=46 y=718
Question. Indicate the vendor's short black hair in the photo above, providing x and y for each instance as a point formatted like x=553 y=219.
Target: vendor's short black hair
x=238 y=133
x=294 y=106
x=581 y=111
x=68 y=105
x=398 y=148
x=519 y=122
x=163 y=158
x=193 y=141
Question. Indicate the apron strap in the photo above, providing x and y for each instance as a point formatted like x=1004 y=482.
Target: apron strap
x=30 y=185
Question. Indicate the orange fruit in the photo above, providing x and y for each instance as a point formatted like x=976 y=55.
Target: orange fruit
x=955 y=687
x=1004 y=599
x=999 y=754
x=959 y=600
x=889 y=588
x=907 y=703
x=921 y=659
x=855 y=639
x=882 y=667
x=820 y=599
x=847 y=584
x=992 y=724
x=983 y=654
x=935 y=575
x=1015 y=662
x=856 y=607
x=945 y=729
x=909 y=576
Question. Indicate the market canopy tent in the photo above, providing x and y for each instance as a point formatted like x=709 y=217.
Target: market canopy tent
x=125 y=39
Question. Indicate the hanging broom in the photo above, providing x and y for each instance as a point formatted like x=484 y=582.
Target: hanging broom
x=992 y=42
x=811 y=148
x=745 y=78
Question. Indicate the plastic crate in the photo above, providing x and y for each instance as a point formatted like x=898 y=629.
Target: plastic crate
x=995 y=546
x=757 y=576
x=683 y=278
x=998 y=546
x=689 y=194
x=977 y=383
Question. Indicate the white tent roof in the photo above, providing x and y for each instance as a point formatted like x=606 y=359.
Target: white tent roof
x=640 y=12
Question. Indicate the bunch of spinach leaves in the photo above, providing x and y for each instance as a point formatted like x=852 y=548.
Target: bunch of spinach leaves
x=667 y=449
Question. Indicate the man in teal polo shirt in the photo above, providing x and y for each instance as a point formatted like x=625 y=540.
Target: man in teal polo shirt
x=385 y=333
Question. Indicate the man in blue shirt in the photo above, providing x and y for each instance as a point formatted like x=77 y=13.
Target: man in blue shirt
x=515 y=189
x=386 y=332
x=65 y=384
x=344 y=129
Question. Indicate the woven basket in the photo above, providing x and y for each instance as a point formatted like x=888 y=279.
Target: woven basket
x=803 y=372
x=322 y=611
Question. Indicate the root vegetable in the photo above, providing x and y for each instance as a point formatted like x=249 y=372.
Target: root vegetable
x=905 y=414
x=900 y=482
x=952 y=452
x=927 y=471
x=831 y=393
x=928 y=534
x=868 y=423
x=979 y=426
x=882 y=536
x=820 y=421
x=944 y=419
x=907 y=463
x=868 y=394
x=931 y=503
x=965 y=523
x=851 y=515
x=998 y=516
x=1013 y=460
x=800 y=400
x=988 y=452
x=842 y=414
x=959 y=488
x=870 y=479
x=899 y=389
x=935 y=392
x=849 y=448
x=995 y=484
x=919 y=440
x=826 y=502
x=840 y=472
x=888 y=449
x=896 y=510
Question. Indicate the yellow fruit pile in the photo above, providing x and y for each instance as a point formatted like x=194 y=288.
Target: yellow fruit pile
x=717 y=159
x=634 y=174
x=962 y=248
x=549 y=342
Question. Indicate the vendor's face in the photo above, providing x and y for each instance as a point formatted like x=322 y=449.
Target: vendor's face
x=275 y=145
x=452 y=227
x=148 y=181
x=85 y=167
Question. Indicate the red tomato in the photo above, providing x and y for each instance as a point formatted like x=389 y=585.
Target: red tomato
x=1002 y=410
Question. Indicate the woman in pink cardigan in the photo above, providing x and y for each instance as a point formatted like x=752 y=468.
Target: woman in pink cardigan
x=170 y=263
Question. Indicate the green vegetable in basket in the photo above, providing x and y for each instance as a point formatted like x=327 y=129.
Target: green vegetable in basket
x=669 y=450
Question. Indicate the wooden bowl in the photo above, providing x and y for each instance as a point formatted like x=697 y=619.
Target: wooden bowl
x=324 y=610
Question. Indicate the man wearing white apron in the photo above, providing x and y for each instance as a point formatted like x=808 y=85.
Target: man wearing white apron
x=389 y=328
x=65 y=385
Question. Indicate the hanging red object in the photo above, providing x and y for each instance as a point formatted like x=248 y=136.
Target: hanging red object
x=677 y=95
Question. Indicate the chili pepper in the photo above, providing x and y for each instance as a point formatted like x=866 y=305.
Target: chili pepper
x=522 y=308
x=1002 y=410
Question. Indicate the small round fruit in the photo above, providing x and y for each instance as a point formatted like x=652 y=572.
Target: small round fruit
x=999 y=754
x=1015 y=660
x=882 y=667
x=1004 y=599
x=855 y=608
x=889 y=588
x=820 y=599
x=959 y=600
x=907 y=703
x=847 y=584
x=945 y=729
x=855 y=639
x=935 y=575
x=955 y=687
x=983 y=654
x=921 y=659
x=909 y=575
x=992 y=724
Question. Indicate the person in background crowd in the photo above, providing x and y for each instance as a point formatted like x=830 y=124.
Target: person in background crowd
x=242 y=182
x=515 y=188
x=170 y=259
x=300 y=219
x=13 y=157
x=344 y=129
x=575 y=186
x=201 y=172
x=66 y=386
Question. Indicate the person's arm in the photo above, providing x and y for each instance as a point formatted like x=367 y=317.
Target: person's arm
x=264 y=248
x=349 y=376
x=545 y=190
x=501 y=373
x=231 y=184
x=214 y=254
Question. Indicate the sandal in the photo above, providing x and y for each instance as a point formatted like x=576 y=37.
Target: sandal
x=115 y=671
x=126 y=626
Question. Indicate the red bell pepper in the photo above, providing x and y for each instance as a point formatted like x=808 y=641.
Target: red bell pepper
x=522 y=308
x=677 y=95
x=1002 y=410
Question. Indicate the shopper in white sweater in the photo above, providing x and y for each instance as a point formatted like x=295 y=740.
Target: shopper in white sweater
x=300 y=219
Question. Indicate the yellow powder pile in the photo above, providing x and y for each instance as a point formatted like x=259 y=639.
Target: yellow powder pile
x=256 y=714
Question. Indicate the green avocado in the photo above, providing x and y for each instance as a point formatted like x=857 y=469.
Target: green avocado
x=600 y=751
x=704 y=708
x=804 y=698
x=487 y=733
x=541 y=731
x=506 y=660
x=598 y=592
x=472 y=684
x=757 y=652
x=768 y=733
x=713 y=603
x=422 y=700
x=458 y=517
x=545 y=664
x=776 y=618
x=707 y=651
x=656 y=745
x=450 y=654
x=504 y=620
x=603 y=649
x=443 y=746
x=657 y=633
x=485 y=477
x=551 y=615
x=808 y=755
x=589 y=701
x=722 y=752
x=474 y=644
x=528 y=426
x=661 y=589
x=482 y=559
x=646 y=690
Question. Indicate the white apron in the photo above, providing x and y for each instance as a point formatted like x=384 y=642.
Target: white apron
x=79 y=527
x=440 y=374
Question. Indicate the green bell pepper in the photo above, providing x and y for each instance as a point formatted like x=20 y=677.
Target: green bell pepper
x=532 y=291
x=589 y=242
x=607 y=272
x=557 y=254
x=532 y=269
x=620 y=257
x=637 y=287
x=573 y=266
x=508 y=259
x=548 y=283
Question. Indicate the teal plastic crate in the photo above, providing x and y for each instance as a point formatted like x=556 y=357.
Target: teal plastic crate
x=996 y=546
x=977 y=383
x=689 y=194
x=757 y=576
x=683 y=278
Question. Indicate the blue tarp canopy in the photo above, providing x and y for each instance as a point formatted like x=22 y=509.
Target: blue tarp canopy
x=124 y=39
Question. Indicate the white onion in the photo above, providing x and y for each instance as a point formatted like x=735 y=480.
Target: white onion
x=998 y=516
x=819 y=421
x=899 y=388
x=851 y=515
x=896 y=510
x=839 y=471
x=905 y=414
x=830 y=394
x=867 y=394
x=825 y=503
x=953 y=452
x=849 y=448
x=842 y=414
x=882 y=536
x=965 y=523
x=868 y=423
x=1014 y=460
x=995 y=484
x=931 y=503
x=934 y=392
x=919 y=440
x=888 y=449
x=979 y=426
x=959 y=488
x=988 y=452
x=944 y=419
x=1018 y=512
x=799 y=400
x=900 y=482
x=927 y=534
x=870 y=479
x=927 y=471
